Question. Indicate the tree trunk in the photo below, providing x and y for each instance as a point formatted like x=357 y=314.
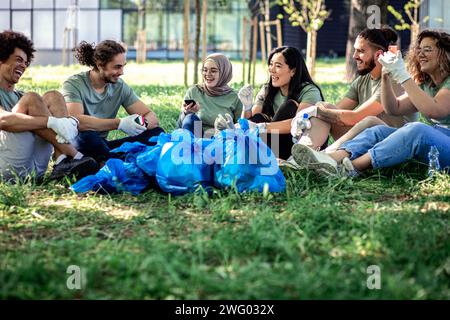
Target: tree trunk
x=197 y=39
x=311 y=44
x=186 y=40
x=204 y=11
x=358 y=22
x=268 y=33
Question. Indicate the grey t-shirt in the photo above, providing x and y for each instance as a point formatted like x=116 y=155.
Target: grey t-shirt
x=364 y=87
x=8 y=99
x=78 y=89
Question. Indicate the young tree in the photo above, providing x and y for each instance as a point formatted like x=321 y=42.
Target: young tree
x=197 y=39
x=186 y=39
x=141 y=41
x=310 y=15
x=411 y=9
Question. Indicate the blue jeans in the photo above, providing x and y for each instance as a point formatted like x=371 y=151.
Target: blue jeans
x=389 y=146
x=190 y=122
x=91 y=144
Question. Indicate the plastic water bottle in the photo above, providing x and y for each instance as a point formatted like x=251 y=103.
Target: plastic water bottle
x=433 y=161
x=302 y=125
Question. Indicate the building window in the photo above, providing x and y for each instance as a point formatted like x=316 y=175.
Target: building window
x=43 y=4
x=43 y=29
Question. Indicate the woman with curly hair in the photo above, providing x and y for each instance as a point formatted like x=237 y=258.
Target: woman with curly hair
x=427 y=90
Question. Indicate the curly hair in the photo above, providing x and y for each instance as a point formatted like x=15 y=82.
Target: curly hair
x=442 y=43
x=10 y=40
x=90 y=54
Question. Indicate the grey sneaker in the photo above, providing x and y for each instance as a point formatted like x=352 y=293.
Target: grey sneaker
x=346 y=169
x=320 y=162
x=289 y=163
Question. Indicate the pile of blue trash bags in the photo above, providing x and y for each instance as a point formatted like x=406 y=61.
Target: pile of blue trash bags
x=181 y=163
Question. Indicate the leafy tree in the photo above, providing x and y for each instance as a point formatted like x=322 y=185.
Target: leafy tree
x=411 y=9
x=310 y=15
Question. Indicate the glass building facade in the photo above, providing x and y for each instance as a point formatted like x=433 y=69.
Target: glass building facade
x=45 y=22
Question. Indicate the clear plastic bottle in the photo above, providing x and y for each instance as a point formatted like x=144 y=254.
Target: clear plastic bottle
x=302 y=125
x=433 y=161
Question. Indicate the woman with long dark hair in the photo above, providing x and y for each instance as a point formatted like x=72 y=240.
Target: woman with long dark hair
x=289 y=90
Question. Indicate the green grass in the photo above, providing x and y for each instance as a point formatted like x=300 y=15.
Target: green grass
x=316 y=240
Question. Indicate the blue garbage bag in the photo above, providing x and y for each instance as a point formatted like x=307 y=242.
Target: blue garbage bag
x=148 y=159
x=181 y=168
x=131 y=150
x=245 y=161
x=115 y=176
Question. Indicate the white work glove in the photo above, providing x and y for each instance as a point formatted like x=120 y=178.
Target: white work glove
x=130 y=126
x=222 y=123
x=299 y=117
x=394 y=64
x=66 y=129
x=246 y=97
x=261 y=126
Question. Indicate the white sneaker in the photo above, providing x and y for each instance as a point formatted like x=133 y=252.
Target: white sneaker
x=320 y=162
x=289 y=162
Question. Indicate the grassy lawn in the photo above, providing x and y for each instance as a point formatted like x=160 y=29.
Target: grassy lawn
x=316 y=240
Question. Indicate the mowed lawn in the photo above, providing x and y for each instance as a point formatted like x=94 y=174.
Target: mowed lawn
x=315 y=241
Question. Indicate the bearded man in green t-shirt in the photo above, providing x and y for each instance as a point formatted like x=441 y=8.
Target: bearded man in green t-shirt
x=94 y=97
x=361 y=106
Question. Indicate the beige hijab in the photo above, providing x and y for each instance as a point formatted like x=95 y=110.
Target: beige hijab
x=225 y=75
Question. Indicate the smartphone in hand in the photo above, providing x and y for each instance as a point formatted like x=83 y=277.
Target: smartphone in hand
x=189 y=101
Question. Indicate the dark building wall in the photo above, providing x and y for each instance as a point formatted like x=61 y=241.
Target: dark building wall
x=332 y=37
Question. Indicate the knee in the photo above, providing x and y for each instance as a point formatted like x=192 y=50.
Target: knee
x=31 y=98
x=32 y=103
x=190 y=118
x=416 y=130
x=371 y=121
x=53 y=95
x=55 y=103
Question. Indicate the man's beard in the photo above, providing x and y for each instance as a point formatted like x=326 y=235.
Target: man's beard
x=109 y=80
x=367 y=70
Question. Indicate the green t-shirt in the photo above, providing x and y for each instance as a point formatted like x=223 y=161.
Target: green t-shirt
x=364 y=87
x=78 y=89
x=309 y=94
x=8 y=99
x=432 y=90
x=211 y=107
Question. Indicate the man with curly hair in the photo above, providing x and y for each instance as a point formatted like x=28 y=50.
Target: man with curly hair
x=95 y=97
x=34 y=126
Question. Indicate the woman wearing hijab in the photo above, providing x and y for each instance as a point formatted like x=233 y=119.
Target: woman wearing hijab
x=204 y=102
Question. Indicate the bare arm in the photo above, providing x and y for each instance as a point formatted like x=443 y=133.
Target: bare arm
x=343 y=113
x=90 y=122
x=255 y=110
x=139 y=107
x=436 y=108
x=19 y=122
x=393 y=105
x=284 y=126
